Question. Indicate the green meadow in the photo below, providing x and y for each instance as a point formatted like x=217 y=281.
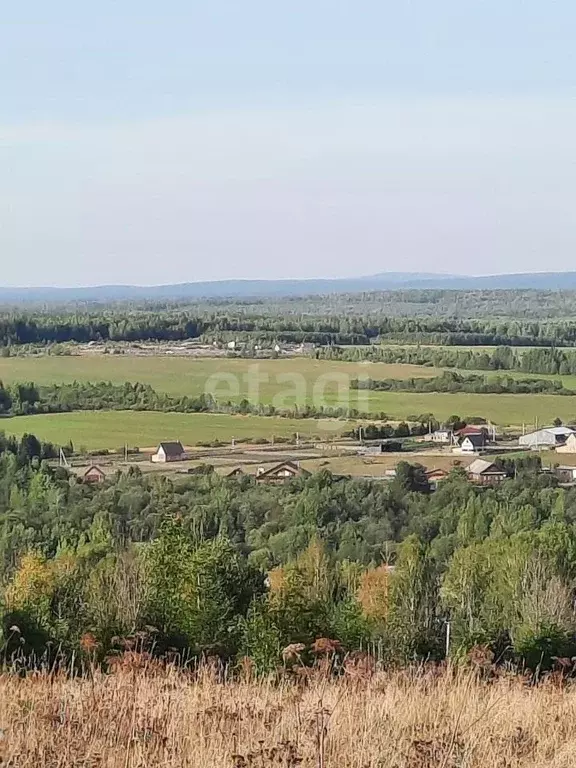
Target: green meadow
x=284 y=382
x=228 y=378
x=96 y=430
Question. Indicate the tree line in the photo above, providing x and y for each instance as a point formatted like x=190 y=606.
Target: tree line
x=452 y=381
x=225 y=567
x=353 y=320
x=28 y=399
x=541 y=360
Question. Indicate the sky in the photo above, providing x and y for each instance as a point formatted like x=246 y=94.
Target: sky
x=149 y=143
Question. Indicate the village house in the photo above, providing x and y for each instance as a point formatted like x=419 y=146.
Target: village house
x=441 y=436
x=565 y=474
x=168 y=452
x=471 y=443
x=483 y=472
x=436 y=476
x=471 y=429
x=281 y=473
x=94 y=475
x=236 y=472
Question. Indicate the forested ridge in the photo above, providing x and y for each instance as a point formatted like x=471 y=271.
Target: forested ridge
x=522 y=318
x=228 y=567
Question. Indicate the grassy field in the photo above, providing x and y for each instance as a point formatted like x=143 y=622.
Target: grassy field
x=505 y=410
x=112 y=429
x=134 y=718
x=228 y=378
x=284 y=383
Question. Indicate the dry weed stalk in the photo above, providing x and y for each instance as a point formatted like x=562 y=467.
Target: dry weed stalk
x=142 y=715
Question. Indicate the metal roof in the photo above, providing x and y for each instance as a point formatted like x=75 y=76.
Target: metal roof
x=480 y=466
x=172 y=448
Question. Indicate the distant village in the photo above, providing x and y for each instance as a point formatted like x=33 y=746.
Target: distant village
x=475 y=449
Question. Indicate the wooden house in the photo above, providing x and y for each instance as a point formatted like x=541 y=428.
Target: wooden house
x=236 y=472
x=94 y=475
x=436 y=476
x=281 y=473
x=483 y=472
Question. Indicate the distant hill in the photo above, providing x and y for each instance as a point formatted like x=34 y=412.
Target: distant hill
x=262 y=288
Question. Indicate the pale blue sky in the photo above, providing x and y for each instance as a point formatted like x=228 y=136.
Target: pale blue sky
x=166 y=142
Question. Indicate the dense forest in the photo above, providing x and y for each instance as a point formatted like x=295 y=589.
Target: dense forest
x=541 y=360
x=452 y=381
x=230 y=568
x=473 y=318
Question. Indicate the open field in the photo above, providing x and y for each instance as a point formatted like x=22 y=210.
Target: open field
x=505 y=410
x=375 y=466
x=286 y=383
x=106 y=428
x=228 y=378
x=112 y=429
x=131 y=719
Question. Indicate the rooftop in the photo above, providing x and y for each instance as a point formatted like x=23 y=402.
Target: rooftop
x=172 y=448
x=480 y=466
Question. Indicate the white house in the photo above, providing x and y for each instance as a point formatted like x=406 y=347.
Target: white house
x=443 y=436
x=471 y=444
x=167 y=452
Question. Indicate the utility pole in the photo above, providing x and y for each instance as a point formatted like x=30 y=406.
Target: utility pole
x=448 y=633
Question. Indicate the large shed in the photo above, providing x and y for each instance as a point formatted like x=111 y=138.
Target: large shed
x=548 y=437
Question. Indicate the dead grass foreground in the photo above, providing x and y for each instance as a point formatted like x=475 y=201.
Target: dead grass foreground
x=134 y=718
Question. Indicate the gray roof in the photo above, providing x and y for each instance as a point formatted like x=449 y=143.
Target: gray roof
x=172 y=448
x=291 y=466
x=480 y=466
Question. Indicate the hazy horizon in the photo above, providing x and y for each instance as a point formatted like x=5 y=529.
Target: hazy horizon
x=280 y=279
x=150 y=145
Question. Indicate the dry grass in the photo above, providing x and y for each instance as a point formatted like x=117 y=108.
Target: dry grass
x=135 y=718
